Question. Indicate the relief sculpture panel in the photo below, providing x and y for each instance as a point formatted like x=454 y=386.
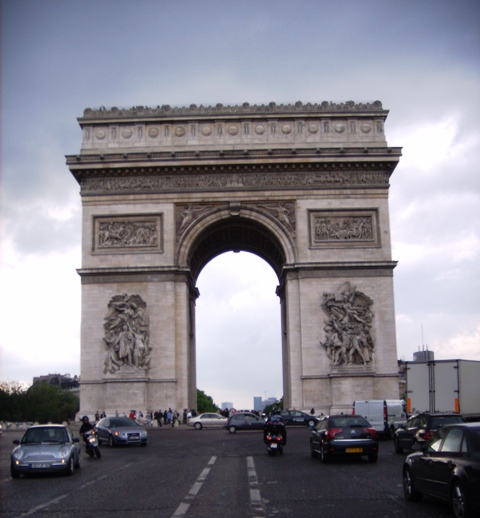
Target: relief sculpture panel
x=127 y=335
x=339 y=229
x=348 y=337
x=121 y=234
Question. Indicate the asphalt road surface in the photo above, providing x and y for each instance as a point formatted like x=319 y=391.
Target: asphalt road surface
x=211 y=473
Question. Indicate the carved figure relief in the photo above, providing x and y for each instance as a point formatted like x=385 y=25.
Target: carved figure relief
x=343 y=228
x=127 y=333
x=284 y=213
x=187 y=214
x=127 y=233
x=348 y=338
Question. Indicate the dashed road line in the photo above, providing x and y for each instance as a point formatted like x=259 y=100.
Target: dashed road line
x=256 y=502
x=183 y=507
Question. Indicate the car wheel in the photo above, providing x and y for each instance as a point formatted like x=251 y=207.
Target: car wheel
x=459 y=501
x=13 y=472
x=373 y=457
x=143 y=444
x=111 y=443
x=323 y=454
x=311 y=423
x=232 y=429
x=198 y=426
x=313 y=453
x=70 y=466
x=77 y=463
x=411 y=494
x=398 y=448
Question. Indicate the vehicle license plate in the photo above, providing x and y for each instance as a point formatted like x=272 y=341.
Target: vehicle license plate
x=40 y=465
x=273 y=445
x=354 y=450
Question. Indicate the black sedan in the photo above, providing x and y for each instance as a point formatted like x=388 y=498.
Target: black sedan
x=448 y=467
x=120 y=430
x=296 y=417
x=344 y=436
x=244 y=421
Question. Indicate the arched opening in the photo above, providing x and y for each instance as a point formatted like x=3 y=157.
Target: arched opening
x=238 y=335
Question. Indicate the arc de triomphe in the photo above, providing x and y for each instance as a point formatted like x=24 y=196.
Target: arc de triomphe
x=164 y=190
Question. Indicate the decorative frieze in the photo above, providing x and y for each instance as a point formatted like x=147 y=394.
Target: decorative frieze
x=343 y=229
x=127 y=234
x=240 y=180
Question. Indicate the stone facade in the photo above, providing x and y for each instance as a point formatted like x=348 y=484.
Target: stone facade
x=164 y=190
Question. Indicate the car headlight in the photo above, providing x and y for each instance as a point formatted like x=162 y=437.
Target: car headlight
x=17 y=454
x=63 y=452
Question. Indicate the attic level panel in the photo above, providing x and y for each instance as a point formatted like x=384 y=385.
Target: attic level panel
x=113 y=130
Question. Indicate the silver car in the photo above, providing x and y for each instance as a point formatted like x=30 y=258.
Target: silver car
x=120 y=430
x=45 y=449
x=207 y=420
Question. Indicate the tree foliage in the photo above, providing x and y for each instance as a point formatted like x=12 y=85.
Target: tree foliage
x=42 y=402
x=205 y=403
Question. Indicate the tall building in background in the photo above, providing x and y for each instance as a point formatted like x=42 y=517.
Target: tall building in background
x=227 y=404
x=258 y=404
x=423 y=356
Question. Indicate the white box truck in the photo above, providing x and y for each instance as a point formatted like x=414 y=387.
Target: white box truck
x=444 y=386
x=385 y=415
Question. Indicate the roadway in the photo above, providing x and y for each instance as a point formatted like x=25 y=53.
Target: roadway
x=210 y=473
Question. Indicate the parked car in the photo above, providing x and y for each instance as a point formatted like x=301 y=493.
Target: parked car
x=244 y=421
x=448 y=467
x=207 y=420
x=120 y=430
x=421 y=427
x=344 y=436
x=45 y=449
x=296 y=417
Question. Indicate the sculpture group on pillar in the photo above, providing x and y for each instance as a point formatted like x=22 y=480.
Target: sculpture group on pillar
x=348 y=338
x=127 y=332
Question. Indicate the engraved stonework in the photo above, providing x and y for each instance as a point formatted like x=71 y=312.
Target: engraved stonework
x=332 y=229
x=127 y=234
x=284 y=213
x=348 y=338
x=127 y=335
x=186 y=215
x=291 y=180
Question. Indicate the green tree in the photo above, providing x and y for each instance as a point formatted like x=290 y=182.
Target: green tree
x=12 y=401
x=205 y=403
x=48 y=403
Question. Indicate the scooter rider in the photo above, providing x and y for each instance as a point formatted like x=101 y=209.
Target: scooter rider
x=86 y=426
x=275 y=426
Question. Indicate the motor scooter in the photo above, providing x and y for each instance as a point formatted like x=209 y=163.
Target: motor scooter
x=274 y=443
x=90 y=440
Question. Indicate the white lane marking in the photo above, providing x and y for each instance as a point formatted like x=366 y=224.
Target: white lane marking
x=42 y=506
x=255 y=497
x=197 y=485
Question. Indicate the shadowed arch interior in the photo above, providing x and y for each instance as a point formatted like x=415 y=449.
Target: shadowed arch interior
x=236 y=234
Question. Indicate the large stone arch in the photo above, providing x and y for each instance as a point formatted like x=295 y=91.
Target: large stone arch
x=164 y=190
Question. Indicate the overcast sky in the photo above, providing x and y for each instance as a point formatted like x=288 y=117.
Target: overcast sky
x=420 y=58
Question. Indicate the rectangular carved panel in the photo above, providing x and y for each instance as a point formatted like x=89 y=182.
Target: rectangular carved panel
x=128 y=234
x=344 y=228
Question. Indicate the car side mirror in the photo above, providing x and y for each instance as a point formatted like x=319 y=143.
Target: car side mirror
x=76 y=439
x=16 y=441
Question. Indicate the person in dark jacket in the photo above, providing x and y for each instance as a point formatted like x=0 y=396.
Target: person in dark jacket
x=275 y=426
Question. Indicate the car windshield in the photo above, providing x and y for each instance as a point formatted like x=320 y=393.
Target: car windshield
x=45 y=435
x=475 y=434
x=442 y=420
x=121 y=422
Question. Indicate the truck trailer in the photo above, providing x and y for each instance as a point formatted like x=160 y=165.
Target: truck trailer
x=444 y=386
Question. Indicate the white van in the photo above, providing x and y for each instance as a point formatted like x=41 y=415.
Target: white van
x=385 y=415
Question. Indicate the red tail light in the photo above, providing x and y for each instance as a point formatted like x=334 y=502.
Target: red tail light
x=371 y=431
x=425 y=435
x=332 y=433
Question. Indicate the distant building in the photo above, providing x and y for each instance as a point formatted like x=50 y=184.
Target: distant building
x=259 y=404
x=423 y=356
x=227 y=405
